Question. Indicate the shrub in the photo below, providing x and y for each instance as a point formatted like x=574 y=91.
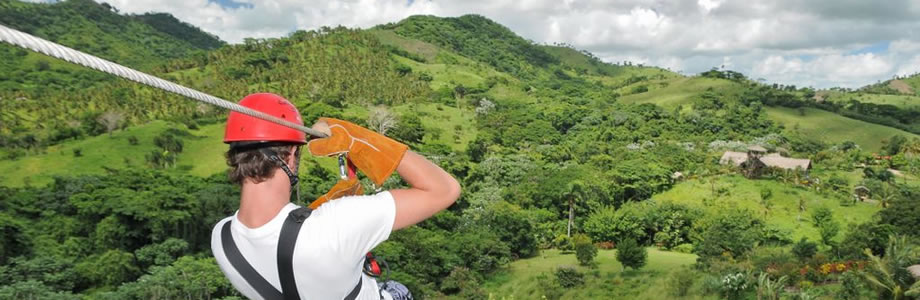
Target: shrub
x=584 y=250
x=766 y=258
x=852 y=287
x=804 y=249
x=563 y=242
x=733 y=232
x=551 y=288
x=631 y=254
x=132 y=140
x=464 y=282
x=680 y=282
x=734 y=285
x=683 y=248
x=569 y=277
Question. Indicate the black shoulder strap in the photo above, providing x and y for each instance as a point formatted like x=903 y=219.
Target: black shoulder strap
x=265 y=289
x=286 y=242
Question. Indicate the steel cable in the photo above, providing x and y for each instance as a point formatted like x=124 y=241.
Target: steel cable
x=40 y=45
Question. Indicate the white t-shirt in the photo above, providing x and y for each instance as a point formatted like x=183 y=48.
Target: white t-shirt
x=329 y=254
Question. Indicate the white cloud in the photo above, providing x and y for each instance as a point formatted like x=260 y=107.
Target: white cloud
x=910 y=67
x=843 y=70
x=763 y=38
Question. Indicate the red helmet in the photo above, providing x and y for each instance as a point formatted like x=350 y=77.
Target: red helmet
x=243 y=128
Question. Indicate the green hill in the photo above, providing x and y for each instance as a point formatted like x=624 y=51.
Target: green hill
x=140 y=42
x=832 y=128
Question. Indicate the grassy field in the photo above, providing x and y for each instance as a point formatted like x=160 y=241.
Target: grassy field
x=679 y=91
x=574 y=58
x=202 y=153
x=733 y=191
x=903 y=101
x=607 y=281
x=829 y=127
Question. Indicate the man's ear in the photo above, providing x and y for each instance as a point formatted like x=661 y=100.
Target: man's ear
x=292 y=160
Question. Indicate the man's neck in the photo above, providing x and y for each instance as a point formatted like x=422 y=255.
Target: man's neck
x=261 y=202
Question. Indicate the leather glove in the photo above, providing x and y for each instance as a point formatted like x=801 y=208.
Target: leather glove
x=349 y=187
x=375 y=155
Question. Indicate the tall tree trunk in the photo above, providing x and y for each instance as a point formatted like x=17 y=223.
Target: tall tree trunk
x=571 y=216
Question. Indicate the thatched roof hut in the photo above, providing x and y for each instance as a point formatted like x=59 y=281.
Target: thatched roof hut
x=777 y=161
x=771 y=160
x=757 y=149
x=735 y=158
x=914 y=270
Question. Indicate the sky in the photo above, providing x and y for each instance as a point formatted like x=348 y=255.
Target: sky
x=818 y=43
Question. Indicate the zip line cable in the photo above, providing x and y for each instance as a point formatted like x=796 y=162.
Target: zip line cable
x=25 y=40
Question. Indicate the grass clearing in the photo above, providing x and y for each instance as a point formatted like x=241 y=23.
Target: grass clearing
x=608 y=281
x=902 y=101
x=733 y=191
x=202 y=154
x=833 y=128
x=678 y=91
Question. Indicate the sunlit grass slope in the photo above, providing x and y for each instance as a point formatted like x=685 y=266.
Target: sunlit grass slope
x=608 y=281
x=734 y=191
x=829 y=127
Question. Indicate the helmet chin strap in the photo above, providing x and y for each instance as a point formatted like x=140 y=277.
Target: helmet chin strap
x=292 y=176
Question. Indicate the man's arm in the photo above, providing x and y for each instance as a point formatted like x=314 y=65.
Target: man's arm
x=432 y=190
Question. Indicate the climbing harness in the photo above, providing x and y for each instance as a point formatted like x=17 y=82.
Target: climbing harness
x=25 y=40
x=286 y=242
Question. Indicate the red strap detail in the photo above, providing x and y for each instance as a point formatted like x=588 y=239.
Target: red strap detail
x=351 y=169
x=375 y=268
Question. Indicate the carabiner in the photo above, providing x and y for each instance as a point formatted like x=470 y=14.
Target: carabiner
x=343 y=169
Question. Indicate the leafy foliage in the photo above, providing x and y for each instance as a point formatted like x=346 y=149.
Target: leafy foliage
x=585 y=250
x=631 y=254
x=734 y=233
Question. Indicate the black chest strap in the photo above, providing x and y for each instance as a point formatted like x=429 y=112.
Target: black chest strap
x=286 y=242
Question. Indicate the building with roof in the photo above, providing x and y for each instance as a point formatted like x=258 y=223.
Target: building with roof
x=774 y=160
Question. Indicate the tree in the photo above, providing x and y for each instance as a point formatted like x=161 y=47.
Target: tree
x=765 y=195
x=574 y=192
x=804 y=249
x=585 y=250
x=187 y=278
x=631 y=254
x=734 y=232
x=823 y=218
x=609 y=225
x=409 y=129
x=381 y=120
x=111 y=120
x=33 y=290
x=888 y=274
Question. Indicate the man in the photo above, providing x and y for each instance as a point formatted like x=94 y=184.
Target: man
x=327 y=253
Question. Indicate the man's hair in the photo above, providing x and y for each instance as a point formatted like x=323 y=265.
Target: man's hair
x=252 y=163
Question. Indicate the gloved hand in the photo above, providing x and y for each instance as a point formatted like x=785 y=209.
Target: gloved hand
x=349 y=187
x=375 y=155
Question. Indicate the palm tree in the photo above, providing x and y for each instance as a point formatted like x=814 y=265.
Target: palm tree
x=888 y=274
x=574 y=191
x=886 y=194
